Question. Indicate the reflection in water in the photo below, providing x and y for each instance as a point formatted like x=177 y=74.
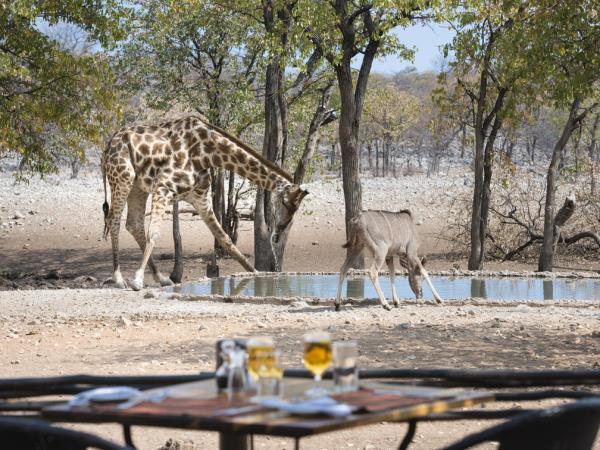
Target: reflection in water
x=478 y=288
x=355 y=288
x=325 y=286
x=217 y=286
x=548 y=289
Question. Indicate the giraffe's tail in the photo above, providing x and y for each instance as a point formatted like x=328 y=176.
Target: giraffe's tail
x=105 y=206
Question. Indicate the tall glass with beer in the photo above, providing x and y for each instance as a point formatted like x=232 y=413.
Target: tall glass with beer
x=260 y=355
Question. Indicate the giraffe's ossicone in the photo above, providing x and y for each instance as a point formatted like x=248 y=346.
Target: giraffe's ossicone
x=171 y=162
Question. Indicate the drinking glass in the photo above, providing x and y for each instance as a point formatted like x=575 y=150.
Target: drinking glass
x=317 y=358
x=260 y=349
x=345 y=370
x=270 y=375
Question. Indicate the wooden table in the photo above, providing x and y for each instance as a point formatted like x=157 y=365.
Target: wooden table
x=198 y=406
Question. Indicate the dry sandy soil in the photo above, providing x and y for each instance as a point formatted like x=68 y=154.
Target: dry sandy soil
x=50 y=331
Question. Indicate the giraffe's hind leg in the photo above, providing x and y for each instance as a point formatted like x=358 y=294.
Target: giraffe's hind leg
x=136 y=212
x=119 y=188
x=161 y=197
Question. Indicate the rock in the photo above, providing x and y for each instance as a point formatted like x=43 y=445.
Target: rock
x=596 y=334
x=18 y=215
x=123 y=322
x=150 y=294
x=85 y=279
x=298 y=304
x=52 y=275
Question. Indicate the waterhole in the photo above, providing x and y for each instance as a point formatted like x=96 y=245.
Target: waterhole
x=325 y=286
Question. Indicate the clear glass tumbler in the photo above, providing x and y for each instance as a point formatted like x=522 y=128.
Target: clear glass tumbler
x=345 y=369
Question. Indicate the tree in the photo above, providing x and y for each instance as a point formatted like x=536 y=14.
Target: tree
x=282 y=30
x=389 y=112
x=358 y=28
x=488 y=62
x=46 y=87
x=567 y=76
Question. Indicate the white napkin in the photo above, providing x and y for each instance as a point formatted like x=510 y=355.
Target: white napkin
x=104 y=394
x=320 y=405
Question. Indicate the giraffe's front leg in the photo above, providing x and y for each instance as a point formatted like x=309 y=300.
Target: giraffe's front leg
x=160 y=199
x=201 y=203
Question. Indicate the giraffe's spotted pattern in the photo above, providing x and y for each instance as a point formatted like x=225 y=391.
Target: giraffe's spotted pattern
x=172 y=161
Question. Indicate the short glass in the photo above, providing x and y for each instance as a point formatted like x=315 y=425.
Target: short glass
x=345 y=369
x=317 y=358
x=270 y=376
x=260 y=349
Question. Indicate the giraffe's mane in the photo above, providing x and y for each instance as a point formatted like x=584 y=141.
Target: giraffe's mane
x=270 y=164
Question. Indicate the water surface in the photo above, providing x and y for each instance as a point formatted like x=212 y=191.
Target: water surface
x=325 y=286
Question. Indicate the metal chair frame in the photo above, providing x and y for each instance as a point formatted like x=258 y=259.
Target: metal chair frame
x=34 y=434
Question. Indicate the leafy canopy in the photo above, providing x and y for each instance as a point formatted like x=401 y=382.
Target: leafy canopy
x=45 y=88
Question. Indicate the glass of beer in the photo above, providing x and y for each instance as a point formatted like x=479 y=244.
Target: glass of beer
x=260 y=353
x=317 y=358
x=270 y=377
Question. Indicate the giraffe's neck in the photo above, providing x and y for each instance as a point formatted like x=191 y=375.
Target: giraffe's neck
x=220 y=150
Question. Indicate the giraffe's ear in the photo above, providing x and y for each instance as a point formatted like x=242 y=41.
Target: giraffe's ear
x=296 y=194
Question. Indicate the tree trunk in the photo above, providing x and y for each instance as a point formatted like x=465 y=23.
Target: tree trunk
x=377 y=157
x=231 y=217
x=348 y=133
x=264 y=257
x=592 y=155
x=463 y=141
x=177 y=272
x=546 y=260
x=218 y=201
x=476 y=219
x=484 y=145
x=322 y=115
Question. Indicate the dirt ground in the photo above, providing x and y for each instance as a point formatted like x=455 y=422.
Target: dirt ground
x=48 y=331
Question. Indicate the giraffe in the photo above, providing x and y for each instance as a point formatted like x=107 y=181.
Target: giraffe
x=171 y=162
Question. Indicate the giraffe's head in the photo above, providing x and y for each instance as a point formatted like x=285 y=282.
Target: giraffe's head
x=291 y=196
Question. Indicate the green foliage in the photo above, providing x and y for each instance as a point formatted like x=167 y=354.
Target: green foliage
x=388 y=113
x=196 y=55
x=45 y=88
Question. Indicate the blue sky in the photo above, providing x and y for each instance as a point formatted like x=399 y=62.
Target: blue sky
x=426 y=39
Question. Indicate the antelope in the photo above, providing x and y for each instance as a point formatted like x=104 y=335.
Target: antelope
x=385 y=234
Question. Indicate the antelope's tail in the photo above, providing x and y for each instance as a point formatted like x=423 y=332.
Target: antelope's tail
x=352 y=233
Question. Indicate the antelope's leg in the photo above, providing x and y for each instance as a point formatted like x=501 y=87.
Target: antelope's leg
x=161 y=197
x=392 y=270
x=436 y=296
x=348 y=263
x=378 y=260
